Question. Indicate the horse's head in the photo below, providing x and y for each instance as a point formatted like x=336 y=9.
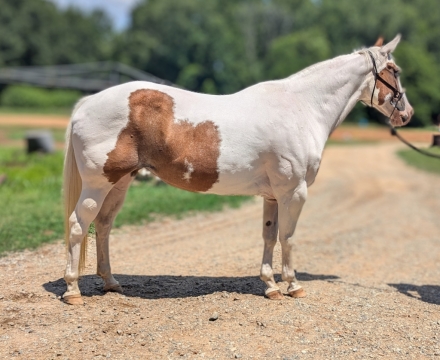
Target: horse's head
x=384 y=91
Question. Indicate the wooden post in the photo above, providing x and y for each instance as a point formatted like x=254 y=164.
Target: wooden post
x=435 y=140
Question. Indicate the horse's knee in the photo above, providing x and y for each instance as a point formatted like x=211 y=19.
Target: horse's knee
x=266 y=272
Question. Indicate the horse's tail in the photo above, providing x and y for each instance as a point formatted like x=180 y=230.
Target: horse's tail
x=72 y=189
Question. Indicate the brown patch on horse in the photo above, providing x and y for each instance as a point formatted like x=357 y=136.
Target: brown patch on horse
x=388 y=75
x=180 y=153
x=379 y=41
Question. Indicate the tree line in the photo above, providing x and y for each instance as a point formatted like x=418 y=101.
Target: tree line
x=222 y=46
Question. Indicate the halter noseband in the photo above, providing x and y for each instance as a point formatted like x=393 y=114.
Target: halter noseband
x=396 y=101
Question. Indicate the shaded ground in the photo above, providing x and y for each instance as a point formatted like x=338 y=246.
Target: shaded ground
x=367 y=246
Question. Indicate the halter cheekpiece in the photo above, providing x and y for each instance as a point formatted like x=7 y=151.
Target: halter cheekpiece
x=397 y=100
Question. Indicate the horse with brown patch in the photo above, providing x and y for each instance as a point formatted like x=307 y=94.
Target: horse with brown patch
x=265 y=140
x=181 y=154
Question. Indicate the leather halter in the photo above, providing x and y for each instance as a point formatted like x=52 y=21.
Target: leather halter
x=396 y=101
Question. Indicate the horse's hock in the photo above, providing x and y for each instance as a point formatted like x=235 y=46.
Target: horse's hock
x=39 y=140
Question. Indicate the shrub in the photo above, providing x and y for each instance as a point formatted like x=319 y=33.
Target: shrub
x=24 y=96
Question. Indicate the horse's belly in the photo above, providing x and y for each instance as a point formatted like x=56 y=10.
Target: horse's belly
x=242 y=183
x=184 y=175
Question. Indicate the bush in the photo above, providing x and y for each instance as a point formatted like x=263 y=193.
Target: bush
x=24 y=96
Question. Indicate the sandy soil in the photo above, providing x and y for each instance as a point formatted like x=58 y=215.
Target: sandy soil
x=35 y=120
x=367 y=255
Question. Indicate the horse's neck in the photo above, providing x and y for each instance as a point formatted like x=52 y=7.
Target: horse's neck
x=331 y=89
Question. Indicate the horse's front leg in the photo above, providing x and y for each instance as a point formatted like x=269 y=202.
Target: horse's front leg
x=289 y=207
x=103 y=224
x=270 y=231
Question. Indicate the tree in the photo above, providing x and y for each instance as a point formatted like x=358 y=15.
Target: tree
x=421 y=77
x=37 y=33
x=294 y=52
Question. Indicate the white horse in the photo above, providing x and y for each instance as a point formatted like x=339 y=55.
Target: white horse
x=265 y=140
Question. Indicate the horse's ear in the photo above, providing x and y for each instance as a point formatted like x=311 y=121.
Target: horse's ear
x=379 y=41
x=389 y=48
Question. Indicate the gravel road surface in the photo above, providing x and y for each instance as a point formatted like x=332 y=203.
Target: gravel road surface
x=368 y=257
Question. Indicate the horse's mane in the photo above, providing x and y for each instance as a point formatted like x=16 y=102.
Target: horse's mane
x=320 y=65
x=313 y=69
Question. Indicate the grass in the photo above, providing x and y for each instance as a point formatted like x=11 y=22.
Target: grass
x=350 y=142
x=19 y=133
x=38 y=111
x=421 y=161
x=31 y=208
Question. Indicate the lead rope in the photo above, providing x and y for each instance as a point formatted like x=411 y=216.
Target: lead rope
x=394 y=130
x=421 y=151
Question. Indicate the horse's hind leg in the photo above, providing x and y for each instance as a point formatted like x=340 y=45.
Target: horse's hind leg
x=103 y=225
x=86 y=209
x=270 y=231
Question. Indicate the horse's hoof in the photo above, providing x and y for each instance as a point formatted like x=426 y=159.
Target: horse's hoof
x=73 y=299
x=114 y=288
x=275 y=295
x=299 y=293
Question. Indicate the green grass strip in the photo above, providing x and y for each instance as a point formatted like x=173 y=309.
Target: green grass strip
x=420 y=161
x=31 y=207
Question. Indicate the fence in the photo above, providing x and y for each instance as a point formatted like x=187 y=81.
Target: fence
x=89 y=77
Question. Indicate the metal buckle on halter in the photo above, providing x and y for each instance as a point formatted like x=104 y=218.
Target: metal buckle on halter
x=398 y=101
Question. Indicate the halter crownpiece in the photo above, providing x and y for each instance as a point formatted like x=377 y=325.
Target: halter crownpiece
x=397 y=100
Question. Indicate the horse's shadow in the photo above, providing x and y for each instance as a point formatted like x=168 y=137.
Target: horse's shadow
x=426 y=293
x=172 y=286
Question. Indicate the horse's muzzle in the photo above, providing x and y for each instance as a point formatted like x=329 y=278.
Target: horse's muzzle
x=405 y=117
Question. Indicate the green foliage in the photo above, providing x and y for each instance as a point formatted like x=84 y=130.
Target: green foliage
x=291 y=53
x=31 y=211
x=37 y=33
x=421 y=77
x=421 y=161
x=23 y=96
x=222 y=46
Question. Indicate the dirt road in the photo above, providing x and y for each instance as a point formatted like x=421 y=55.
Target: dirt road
x=368 y=256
